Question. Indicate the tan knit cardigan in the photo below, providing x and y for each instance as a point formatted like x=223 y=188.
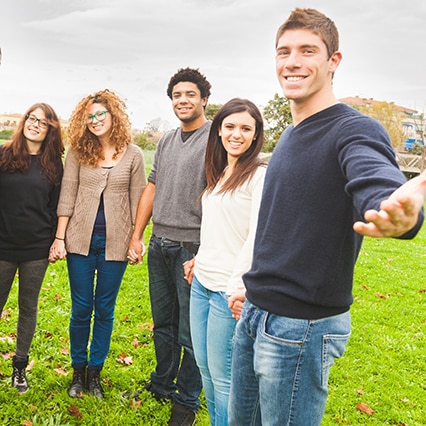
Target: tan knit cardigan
x=81 y=191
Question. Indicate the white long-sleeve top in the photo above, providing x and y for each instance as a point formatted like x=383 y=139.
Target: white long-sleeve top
x=228 y=228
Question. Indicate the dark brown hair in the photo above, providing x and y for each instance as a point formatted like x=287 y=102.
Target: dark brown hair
x=216 y=155
x=314 y=21
x=16 y=157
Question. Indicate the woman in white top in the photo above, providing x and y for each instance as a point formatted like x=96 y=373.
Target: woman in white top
x=230 y=205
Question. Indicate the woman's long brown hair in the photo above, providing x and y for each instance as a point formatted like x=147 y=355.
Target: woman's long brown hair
x=16 y=156
x=217 y=157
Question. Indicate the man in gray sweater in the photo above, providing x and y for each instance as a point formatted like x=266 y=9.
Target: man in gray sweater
x=176 y=180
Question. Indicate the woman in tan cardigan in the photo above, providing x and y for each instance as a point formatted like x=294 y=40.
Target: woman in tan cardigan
x=103 y=179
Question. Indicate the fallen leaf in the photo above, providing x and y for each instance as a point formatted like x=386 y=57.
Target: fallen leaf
x=382 y=296
x=135 y=343
x=364 y=286
x=6 y=314
x=125 y=318
x=27 y=423
x=107 y=382
x=30 y=365
x=57 y=297
x=364 y=408
x=6 y=339
x=134 y=403
x=124 y=359
x=360 y=392
x=64 y=350
x=60 y=371
x=73 y=410
x=147 y=326
x=8 y=356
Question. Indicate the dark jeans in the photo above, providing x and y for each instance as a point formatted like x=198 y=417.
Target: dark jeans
x=31 y=275
x=176 y=375
x=88 y=299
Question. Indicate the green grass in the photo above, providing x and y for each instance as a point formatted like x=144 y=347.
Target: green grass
x=384 y=365
x=385 y=362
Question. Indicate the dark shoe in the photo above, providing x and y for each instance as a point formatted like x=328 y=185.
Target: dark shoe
x=137 y=396
x=19 y=379
x=77 y=385
x=181 y=416
x=94 y=383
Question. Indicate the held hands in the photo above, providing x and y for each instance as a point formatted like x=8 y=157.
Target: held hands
x=57 y=251
x=188 y=270
x=136 y=252
x=398 y=214
x=235 y=303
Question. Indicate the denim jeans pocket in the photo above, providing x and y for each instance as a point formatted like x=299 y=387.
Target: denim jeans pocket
x=285 y=330
x=333 y=347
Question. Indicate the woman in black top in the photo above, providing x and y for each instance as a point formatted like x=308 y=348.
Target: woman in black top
x=30 y=175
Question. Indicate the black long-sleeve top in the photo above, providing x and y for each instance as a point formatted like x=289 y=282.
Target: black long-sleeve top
x=27 y=213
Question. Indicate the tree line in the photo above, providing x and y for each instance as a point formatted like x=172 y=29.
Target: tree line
x=277 y=117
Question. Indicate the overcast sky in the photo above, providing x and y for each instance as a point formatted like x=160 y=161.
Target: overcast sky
x=58 y=51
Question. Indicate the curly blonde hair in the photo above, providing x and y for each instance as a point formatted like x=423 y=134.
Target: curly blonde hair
x=85 y=144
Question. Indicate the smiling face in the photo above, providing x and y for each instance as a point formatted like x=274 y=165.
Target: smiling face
x=35 y=130
x=237 y=132
x=188 y=105
x=99 y=120
x=303 y=67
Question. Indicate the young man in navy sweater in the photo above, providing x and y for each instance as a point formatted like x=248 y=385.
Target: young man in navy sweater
x=330 y=167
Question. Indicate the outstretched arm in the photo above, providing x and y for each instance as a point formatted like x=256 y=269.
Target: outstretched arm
x=398 y=214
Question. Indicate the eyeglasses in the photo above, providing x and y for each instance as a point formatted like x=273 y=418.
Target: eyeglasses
x=32 y=119
x=99 y=115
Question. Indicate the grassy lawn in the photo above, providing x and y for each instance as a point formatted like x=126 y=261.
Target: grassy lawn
x=385 y=363
x=384 y=367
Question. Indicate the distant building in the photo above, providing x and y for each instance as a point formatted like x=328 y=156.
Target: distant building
x=357 y=101
x=413 y=122
x=10 y=121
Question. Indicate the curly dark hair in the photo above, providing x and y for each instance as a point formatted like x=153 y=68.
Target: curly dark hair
x=16 y=156
x=85 y=144
x=193 y=76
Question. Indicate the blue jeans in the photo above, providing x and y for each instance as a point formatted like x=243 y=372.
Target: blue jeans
x=280 y=367
x=86 y=298
x=176 y=376
x=212 y=330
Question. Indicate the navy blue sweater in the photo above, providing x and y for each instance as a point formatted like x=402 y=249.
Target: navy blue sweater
x=323 y=175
